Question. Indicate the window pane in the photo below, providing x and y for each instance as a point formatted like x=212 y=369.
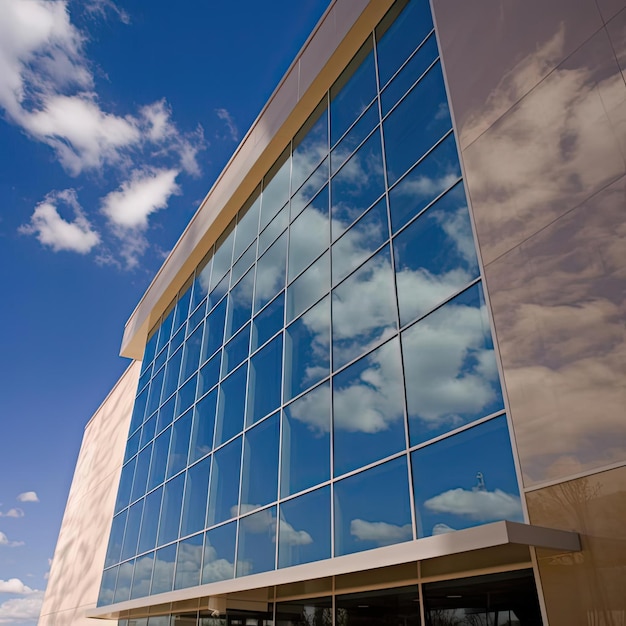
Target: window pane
x=155 y=392
x=366 y=236
x=310 y=145
x=224 y=490
x=435 y=256
x=142 y=576
x=170 y=511
x=203 y=426
x=139 y=410
x=466 y=480
x=116 y=539
x=141 y=473
x=231 y=405
x=202 y=281
x=172 y=372
x=166 y=414
x=418 y=122
x=166 y=329
x=243 y=264
x=364 y=309
x=259 y=484
x=449 y=359
x=308 y=287
x=131 y=535
x=150 y=521
x=196 y=317
x=310 y=188
x=240 y=304
x=389 y=606
x=191 y=356
x=214 y=332
x=223 y=255
x=147 y=430
x=256 y=551
x=418 y=64
x=270 y=273
x=357 y=185
x=372 y=508
x=265 y=380
x=177 y=340
x=309 y=235
x=186 y=395
x=209 y=374
x=159 y=459
x=179 y=448
x=352 y=92
x=305 y=445
x=126 y=484
x=247 y=224
x=368 y=409
x=132 y=445
x=354 y=137
x=304 y=529
x=219 y=554
x=307 y=349
x=196 y=493
x=275 y=188
x=267 y=323
x=124 y=579
x=235 y=351
x=163 y=574
x=107 y=587
x=276 y=227
x=182 y=309
x=188 y=563
x=398 y=40
x=439 y=171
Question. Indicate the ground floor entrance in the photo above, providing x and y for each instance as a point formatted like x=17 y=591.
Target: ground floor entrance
x=497 y=599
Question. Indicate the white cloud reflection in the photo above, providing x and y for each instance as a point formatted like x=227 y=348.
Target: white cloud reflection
x=381 y=533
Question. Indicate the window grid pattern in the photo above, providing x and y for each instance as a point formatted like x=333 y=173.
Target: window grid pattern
x=325 y=382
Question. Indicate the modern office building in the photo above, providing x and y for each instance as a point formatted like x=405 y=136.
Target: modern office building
x=380 y=378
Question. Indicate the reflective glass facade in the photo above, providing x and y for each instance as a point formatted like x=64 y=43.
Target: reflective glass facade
x=325 y=383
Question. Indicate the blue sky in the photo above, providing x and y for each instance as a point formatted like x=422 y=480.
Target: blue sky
x=115 y=119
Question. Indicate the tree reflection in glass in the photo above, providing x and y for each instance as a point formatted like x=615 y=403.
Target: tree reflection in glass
x=466 y=480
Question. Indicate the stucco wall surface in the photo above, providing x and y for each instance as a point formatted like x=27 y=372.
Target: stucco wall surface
x=78 y=560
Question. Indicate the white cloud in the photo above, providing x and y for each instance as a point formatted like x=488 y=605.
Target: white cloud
x=28 y=496
x=477 y=504
x=16 y=586
x=14 y=512
x=290 y=536
x=52 y=230
x=18 y=610
x=145 y=193
x=381 y=533
x=227 y=118
x=4 y=541
x=442 y=529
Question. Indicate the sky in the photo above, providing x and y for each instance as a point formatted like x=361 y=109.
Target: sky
x=115 y=120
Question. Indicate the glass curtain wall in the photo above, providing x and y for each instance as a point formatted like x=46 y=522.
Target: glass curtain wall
x=325 y=383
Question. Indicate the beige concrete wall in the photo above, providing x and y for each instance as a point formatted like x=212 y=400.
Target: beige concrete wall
x=78 y=560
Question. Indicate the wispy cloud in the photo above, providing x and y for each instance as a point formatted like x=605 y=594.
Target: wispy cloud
x=15 y=512
x=28 y=496
x=128 y=209
x=48 y=89
x=18 y=610
x=227 y=118
x=52 y=230
x=4 y=541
